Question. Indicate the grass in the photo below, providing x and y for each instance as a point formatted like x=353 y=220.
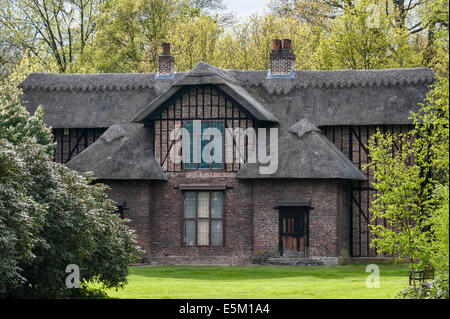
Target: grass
x=247 y=282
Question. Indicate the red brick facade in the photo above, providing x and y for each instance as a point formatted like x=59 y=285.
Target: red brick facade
x=155 y=209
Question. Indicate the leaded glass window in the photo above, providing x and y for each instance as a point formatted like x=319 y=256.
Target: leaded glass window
x=203 y=219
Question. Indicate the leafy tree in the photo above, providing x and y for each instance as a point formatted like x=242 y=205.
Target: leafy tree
x=194 y=40
x=248 y=45
x=364 y=38
x=214 y=9
x=439 y=226
x=433 y=127
x=436 y=19
x=413 y=194
x=400 y=200
x=404 y=13
x=130 y=34
x=412 y=187
x=202 y=5
x=50 y=216
x=53 y=30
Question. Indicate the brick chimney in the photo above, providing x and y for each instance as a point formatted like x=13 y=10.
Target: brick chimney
x=282 y=59
x=166 y=61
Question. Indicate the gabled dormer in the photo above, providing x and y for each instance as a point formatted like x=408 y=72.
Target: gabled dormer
x=208 y=96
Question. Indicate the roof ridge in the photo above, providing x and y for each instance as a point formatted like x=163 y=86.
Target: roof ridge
x=323 y=79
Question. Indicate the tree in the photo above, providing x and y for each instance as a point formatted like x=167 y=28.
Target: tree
x=215 y=9
x=57 y=30
x=364 y=38
x=248 y=45
x=400 y=199
x=404 y=13
x=21 y=219
x=130 y=33
x=412 y=186
x=436 y=19
x=50 y=216
x=433 y=125
x=194 y=40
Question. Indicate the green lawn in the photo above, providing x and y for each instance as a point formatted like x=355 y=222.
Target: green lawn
x=260 y=282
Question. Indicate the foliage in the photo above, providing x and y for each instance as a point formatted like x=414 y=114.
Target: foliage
x=125 y=35
x=194 y=40
x=400 y=199
x=50 y=216
x=433 y=124
x=436 y=18
x=412 y=186
x=412 y=183
x=404 y=13
x=433 y=289
x=130 y=33
x=21 y=218
x=248 y=45
x=52 y=30
x=439 y=226
x=16 y=125
x=364 y=38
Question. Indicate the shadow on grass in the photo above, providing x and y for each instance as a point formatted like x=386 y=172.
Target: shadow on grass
x=264 y=272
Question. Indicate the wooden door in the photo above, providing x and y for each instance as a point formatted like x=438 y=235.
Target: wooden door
x=293 y=232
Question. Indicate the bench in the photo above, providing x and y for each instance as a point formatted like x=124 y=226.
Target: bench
x=421 y=275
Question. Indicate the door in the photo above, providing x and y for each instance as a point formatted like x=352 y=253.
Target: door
x=294 y=231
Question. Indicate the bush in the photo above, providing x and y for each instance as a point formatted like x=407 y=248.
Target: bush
x=433 y=289
x=51 y=217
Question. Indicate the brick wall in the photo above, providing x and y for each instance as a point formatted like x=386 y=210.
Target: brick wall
x=323 y=234
x=282 y=58
x=167 y=222
x=251 y=221
x=250 y=217
x=166 y=64
x=137 y=208
x=281 y=65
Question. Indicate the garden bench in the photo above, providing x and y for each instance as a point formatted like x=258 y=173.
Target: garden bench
x=421 y=275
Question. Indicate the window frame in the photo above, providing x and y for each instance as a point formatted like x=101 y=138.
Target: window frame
x=210 y=168
x=196 y=219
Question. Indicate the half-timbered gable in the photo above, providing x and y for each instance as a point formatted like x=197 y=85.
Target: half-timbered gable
x=210 y=105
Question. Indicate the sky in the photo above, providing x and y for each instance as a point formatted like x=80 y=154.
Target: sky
x=244 y=8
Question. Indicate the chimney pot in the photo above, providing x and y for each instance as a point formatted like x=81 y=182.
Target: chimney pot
x=166 y=47
x=276 y=45
x=287 y=45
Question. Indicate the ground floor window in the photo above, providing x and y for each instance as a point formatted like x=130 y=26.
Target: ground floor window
x=203 y=219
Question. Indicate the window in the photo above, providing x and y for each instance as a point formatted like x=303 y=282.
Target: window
x=203 y=219
x=188 y=125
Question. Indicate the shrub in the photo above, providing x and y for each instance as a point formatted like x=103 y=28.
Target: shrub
x=433 y=289
x=51 y=217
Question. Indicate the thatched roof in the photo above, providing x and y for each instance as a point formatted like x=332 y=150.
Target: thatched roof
x=348 y=97
x=123 y=152
x=304 y=152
